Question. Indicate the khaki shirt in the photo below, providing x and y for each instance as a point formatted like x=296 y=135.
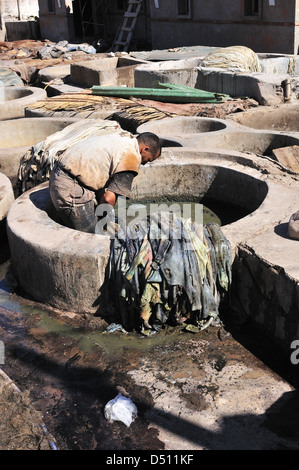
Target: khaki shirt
x=95 y=159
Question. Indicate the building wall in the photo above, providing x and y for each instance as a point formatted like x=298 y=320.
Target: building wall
x=2 y=24
x=19 y=19
x=223 y=23
x=142 y=36
x=297 y=28
x=56 y=25
x=21 y=9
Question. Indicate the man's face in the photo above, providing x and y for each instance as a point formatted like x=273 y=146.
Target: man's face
x=147 y=156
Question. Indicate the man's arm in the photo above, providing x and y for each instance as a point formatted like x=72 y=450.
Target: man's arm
x=120 y=185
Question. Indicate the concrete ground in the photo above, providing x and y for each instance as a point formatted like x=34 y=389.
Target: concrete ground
x=225 y=388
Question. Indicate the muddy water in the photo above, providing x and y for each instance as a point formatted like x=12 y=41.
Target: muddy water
x=67 y=324
x=72 y=368
x=203 y=212
x=195 y=211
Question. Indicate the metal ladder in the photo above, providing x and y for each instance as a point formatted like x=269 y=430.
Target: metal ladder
x=125 y=32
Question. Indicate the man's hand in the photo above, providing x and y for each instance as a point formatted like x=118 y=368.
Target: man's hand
x=108 y=198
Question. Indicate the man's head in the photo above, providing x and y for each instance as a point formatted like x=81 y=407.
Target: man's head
x=149 y=147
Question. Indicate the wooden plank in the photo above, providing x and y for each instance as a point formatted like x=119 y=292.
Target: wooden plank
x=288 y=157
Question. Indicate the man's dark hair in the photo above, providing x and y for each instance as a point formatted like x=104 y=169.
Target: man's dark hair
x=151 y=140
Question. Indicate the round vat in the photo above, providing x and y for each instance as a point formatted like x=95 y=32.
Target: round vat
x=183 y=125
x=65 y=268
x=184 y=133
x=6 y=200
x=283 y=118
x=13 y=100
x=17 y=135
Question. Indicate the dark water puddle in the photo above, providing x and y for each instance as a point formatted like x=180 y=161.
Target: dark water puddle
x=72 y=369
x=112 y=343
x=67 y=325
x=194 y=210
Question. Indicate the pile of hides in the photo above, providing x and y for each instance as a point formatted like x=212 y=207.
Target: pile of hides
x=38 y=161
x=10 y=78
x=238 y=58
x=77 y=102
x=214 y=110
x=167 y=269
x=22 y=49
x=132 y=116
x=50 y=51
x=129 y=113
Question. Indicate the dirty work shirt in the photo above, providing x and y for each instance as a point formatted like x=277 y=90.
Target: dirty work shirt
x=94 y=160
x=108 y=161
x=92 y=164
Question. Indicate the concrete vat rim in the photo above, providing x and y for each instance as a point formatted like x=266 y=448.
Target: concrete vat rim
x=37 y=240
x=266 y=116
x=10 y=156
x=16 y=107
x=54 y=263
x=6 y=196
x=31 y=121
x=235 y=137
x=221 y=125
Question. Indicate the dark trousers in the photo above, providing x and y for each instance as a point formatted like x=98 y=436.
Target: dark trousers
x=74 y=204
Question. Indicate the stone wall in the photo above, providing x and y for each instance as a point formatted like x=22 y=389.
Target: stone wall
x=226 y=23
x=56 y=25
x=20 y=10
x=266 y=294
x=19 y=20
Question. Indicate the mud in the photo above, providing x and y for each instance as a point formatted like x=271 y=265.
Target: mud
x=21 y=427
x=203 y=391
x=224 y=388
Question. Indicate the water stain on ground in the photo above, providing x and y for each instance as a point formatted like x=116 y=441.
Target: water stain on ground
x=186 y=387
x=222 y=388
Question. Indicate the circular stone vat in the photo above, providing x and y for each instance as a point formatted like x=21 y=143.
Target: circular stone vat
x=284 y=118
x=13 y=100
x=238 y=139
x=65 y=268
x=6 y=200
x=180 y=126
x=17 y=135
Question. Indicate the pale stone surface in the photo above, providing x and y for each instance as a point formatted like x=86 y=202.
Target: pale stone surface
x=208 y=133
x=18 y=135
x=293 y=228
x=6 y=196
x=266 y=88
x=13 y=100
x=111 y=71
